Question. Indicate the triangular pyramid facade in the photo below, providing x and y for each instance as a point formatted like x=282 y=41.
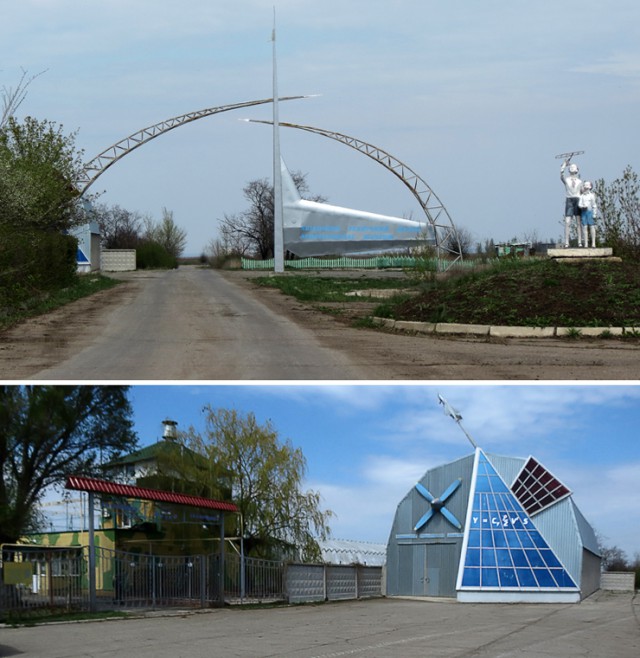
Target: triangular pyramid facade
x=503 y=549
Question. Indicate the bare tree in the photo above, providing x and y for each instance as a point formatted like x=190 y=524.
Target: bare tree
x=12 y=99
x=619 y=221
x=120 y=228
x=462 y=243
x=251 y=231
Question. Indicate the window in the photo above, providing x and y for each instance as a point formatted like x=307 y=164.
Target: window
x=536 y=488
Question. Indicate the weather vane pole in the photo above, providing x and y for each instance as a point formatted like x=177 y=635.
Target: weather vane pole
x=457 y=416
x=278 y=211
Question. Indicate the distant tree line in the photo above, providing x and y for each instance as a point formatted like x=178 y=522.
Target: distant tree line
x=157 y=244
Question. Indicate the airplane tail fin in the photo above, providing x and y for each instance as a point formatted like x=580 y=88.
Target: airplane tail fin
x=290 y=192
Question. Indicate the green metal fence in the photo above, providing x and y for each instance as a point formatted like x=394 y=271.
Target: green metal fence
x=378 y=262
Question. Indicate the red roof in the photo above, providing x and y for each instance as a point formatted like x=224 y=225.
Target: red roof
x=80 y=483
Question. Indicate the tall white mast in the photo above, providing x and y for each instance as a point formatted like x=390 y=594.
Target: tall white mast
x=278 y=237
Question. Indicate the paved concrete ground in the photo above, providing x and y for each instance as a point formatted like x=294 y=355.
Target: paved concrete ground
x=603 y=626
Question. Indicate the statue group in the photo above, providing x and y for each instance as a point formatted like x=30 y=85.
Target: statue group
x=580 y=206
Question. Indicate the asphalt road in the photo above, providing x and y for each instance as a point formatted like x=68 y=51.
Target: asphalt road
x=192 y=323
x=200 y=324
x=605 y=626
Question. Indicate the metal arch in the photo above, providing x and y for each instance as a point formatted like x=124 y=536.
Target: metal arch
x=431 y=205
x=96 y=167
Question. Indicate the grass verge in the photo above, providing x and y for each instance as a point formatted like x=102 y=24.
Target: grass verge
x=84 y=286
x=531 y=292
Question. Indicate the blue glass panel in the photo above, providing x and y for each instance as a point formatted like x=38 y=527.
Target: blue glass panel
x=499 y=539
x=471 y=578
x=482 y=484
x=549 y=558
x=491 y=504
x=503 y=557
x=544 y=578
x=519 y=558
x=562 y=578
x=525 y=540
x=474 y=538
x=537 y=539
x=488 y=557
x=507 y=577
x=487 y=538
x=490 y=578
x=473 y=557
x=526 y=578
x=498 y=485
x=535 y=559
x=512 y=538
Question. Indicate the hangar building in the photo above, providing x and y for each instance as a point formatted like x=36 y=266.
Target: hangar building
x=492 y=528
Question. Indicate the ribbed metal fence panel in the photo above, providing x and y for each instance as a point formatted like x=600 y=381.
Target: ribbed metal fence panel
x=369 y=582
x=342 y=583
x=325 y=582
x=305 y=583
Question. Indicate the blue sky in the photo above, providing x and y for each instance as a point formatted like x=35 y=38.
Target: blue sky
x=476 y=97
x=367 y=445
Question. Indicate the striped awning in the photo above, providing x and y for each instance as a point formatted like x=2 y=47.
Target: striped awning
x=94 y=485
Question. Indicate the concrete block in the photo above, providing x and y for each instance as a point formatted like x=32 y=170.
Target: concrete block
x=580 y=252
x=389 y=323
x=418 y=327
x=598 y=331
x=466 y=329
x=522 y=332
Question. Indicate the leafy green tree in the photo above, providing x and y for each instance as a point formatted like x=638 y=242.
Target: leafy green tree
x=50 y=432
x=619 y=221
x=38 y=167
x=167 y=234
x=278 y=518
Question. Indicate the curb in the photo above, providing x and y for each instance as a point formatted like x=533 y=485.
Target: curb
x=498 y=331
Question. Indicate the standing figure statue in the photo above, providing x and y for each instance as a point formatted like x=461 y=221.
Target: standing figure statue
x=589 y=211
x=573 y=188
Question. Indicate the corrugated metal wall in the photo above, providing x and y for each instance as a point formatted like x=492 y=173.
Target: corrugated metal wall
x=426 y=563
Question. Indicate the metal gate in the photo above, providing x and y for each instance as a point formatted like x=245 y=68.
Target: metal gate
x=148 y=581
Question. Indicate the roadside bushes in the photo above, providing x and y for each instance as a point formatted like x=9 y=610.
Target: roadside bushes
x=33 y=263
x=151 y=255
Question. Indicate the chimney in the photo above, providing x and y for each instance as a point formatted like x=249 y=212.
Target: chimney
x=170 y=432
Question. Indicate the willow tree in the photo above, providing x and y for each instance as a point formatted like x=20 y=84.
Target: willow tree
x=278 y=518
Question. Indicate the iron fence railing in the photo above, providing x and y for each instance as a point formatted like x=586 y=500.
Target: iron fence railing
x=253 y=579
x=37 y=577
x=40 y=579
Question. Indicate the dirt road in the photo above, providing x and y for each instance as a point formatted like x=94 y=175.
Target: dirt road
x=201 y=324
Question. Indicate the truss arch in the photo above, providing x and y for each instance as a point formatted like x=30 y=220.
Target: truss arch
x=100 y=163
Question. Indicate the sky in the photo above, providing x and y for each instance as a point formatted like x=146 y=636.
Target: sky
x=367 y=445
x=476 y=97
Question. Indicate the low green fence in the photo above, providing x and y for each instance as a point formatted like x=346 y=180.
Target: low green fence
x=377 y=262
